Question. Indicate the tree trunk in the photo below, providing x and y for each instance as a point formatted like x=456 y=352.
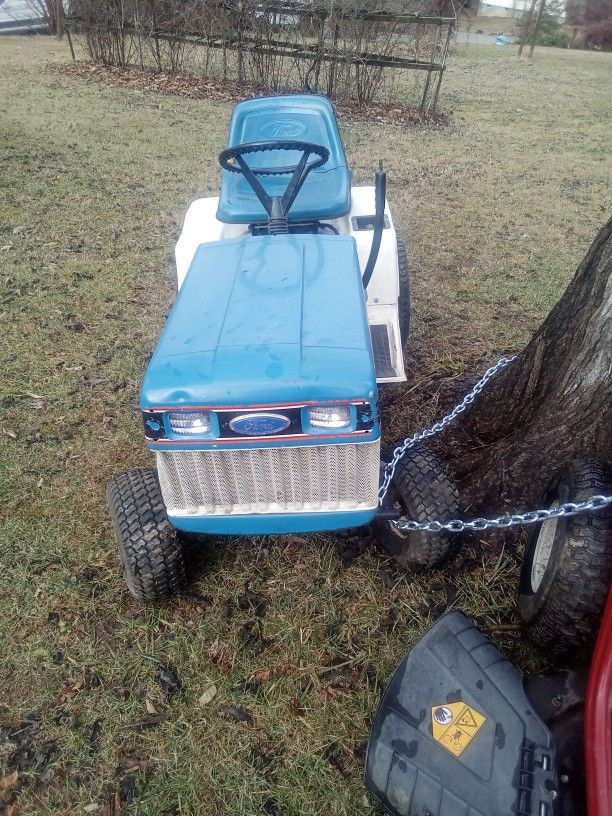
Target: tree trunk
x=552 y=404
x=572 y=42
x=526 y=27
x=59 y=19
x=536 y=27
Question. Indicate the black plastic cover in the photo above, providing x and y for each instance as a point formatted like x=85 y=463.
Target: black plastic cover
x=505 y=766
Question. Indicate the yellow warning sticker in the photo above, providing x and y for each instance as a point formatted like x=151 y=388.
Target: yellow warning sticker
x=454 y=725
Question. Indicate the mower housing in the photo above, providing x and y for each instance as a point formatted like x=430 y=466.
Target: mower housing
x=266 y=328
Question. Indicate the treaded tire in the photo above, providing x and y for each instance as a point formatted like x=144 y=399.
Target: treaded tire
x=422 y=490
x=562 y=604
x=404 y=289
x=150 y=548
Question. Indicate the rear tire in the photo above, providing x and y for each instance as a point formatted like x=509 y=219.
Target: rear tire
x=567 y=566
x=422 y=490
x=403 y=304
x=150 y=548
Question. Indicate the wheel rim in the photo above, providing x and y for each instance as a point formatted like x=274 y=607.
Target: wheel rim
x=543 y=549
x=398 y=507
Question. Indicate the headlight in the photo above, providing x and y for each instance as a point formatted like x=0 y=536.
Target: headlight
x=196 y=422
x=330 y=416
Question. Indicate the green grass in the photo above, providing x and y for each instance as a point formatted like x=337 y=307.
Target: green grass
x=497 y=210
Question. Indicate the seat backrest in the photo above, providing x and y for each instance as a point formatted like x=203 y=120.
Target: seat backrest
x=304 y=117
x=307 y=117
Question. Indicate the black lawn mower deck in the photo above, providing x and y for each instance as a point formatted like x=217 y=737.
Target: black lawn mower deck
x=455 y=734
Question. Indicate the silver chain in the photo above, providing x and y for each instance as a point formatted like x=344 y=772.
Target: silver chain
x=500 y=522
x=532 y=517
x=439 y=426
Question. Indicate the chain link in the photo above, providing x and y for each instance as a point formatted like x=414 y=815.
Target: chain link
x=514 y=520
x=439 y=426
x=500 y=522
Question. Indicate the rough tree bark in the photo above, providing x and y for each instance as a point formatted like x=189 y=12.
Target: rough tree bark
x=552 y=404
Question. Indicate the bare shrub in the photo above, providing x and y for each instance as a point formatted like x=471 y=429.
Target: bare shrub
x=337 y=47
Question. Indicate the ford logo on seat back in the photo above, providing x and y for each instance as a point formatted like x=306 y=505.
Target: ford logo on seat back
x=283 y=129
x=259 y=424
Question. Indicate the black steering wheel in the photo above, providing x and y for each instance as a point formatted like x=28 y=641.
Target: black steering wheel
x=277 y=207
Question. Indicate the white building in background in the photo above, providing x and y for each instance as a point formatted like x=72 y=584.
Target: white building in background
x=503 y=8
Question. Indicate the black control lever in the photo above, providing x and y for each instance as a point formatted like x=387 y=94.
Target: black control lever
x=380 y=195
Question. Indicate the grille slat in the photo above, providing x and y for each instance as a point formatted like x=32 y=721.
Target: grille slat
x=270 y=480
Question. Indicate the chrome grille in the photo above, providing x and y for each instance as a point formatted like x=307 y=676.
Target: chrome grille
x=270 y=480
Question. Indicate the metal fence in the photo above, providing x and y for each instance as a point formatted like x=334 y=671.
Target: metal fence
x=337 y=49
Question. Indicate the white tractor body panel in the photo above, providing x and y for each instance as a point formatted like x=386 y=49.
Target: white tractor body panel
x=202 y=226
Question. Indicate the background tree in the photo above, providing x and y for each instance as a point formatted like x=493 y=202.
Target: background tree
x=574 y=11
x=553 y=403
x=541 y=24
x=593 y=19
x=597 y=19
x=52 y=11
x=524 y=25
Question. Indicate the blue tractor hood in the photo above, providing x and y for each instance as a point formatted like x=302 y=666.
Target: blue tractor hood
x=265 y=320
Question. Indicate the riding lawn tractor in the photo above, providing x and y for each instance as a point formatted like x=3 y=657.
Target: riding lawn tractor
x=260 y=402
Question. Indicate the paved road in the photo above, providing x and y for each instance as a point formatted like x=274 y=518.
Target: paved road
x=19 y=15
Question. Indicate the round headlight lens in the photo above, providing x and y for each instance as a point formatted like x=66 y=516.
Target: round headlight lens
x=330 y=416
x=191 y=422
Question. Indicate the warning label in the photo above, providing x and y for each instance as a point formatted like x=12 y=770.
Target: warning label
x=467 y=720
x=454 y=725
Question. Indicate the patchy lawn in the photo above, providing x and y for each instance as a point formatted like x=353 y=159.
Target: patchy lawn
x=298 y=635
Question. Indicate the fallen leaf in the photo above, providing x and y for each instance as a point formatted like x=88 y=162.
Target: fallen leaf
x=209 y=694
x=94 y=734
x=9 y=781
x=269 y=674
x=135 y=763
x=227 y=609
x=169 y=679
x=263 y=676
x=336 y=758
x=150 y=707
x=230 y=712
x=127 y=790
x=254 y=602
x=149 y=722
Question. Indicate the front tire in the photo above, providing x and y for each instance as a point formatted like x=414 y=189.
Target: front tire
x=150 y=548
x=567 y=566
x=422 y=490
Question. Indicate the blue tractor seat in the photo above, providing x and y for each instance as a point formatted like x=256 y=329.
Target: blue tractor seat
x=327 y=190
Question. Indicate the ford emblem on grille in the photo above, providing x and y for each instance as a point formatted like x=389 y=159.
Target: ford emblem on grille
x=259 y=424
